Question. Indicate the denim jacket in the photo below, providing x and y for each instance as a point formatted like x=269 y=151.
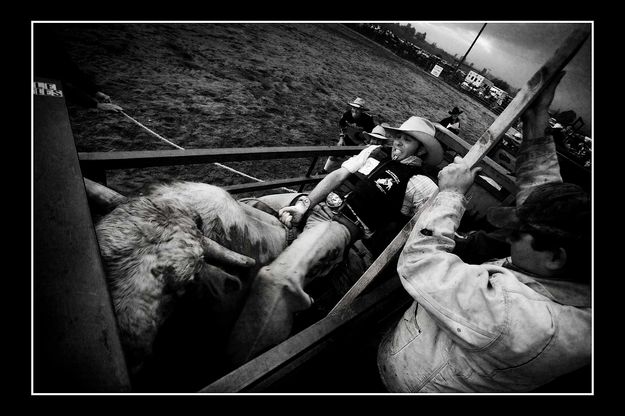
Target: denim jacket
x=479 y=328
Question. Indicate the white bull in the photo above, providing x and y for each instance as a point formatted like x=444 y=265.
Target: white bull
x=153 y=247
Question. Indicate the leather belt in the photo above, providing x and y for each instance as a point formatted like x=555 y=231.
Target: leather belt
x=345 y=214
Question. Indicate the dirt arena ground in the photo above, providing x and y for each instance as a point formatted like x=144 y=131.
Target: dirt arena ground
x=243 y=85
x=238 y=85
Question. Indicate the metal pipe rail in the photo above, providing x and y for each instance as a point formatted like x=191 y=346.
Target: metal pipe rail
x=149 y=158
x=95 y=164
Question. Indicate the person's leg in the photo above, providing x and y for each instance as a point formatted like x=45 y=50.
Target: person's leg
x=278 y=289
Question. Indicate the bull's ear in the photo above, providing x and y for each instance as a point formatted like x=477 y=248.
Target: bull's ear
x=218 y=281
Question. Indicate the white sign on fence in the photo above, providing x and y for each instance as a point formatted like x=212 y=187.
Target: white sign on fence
x=46 y=88
x=436 y=71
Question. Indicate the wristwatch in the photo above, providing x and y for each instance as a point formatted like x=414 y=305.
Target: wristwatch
x=305 y=202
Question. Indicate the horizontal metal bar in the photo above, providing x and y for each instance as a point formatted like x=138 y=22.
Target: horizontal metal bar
x=147 y=158
x=258 y=186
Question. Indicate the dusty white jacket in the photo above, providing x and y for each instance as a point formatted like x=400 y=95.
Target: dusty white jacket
x=479 y=328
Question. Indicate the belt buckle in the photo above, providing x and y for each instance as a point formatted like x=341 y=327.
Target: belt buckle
x=333 y=200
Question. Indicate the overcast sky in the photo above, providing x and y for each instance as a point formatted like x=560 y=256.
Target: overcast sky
x=514 y=51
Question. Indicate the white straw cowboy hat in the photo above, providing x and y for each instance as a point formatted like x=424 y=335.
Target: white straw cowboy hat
x=377 y=133
x=423 y=130
x=359 y=103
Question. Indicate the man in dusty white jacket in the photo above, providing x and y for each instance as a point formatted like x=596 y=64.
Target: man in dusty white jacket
x=510 y=325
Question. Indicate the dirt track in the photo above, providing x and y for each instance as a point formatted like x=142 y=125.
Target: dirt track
x=243 y=85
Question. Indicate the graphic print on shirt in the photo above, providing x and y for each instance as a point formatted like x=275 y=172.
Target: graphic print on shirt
x=385 y=184
x=369 y=165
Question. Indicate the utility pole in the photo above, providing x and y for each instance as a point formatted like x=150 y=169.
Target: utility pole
x=469 y=50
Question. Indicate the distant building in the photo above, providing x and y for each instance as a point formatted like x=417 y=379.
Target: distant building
x=474 y=79
x=478 y=82
x=499 y=94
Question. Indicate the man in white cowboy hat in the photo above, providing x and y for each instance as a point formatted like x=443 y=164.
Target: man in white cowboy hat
x=507 y=325
x=377 y=136
x=351 y=203
x=353 y=124
x=452 y=123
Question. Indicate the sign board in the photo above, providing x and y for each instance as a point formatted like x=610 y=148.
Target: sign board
x=46 y=88
x=436 y=71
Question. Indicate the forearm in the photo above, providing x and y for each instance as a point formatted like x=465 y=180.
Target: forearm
x=537 y=160
x=434 y=231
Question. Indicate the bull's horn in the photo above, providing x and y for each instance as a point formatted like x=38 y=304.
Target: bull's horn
x=220 y=254
x=103 y=198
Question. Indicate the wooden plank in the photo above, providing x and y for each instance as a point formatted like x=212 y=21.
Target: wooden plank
x=76 y=347
x=489 y=167
x=147 y=158
x=515 y=109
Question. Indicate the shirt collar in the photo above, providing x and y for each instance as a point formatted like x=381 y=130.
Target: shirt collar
x=412 y=161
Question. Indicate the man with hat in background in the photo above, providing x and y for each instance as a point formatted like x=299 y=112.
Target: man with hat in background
x=452 y=123
x=353 y=202
x=509 y=325
x=377 y=136
x=353 y=124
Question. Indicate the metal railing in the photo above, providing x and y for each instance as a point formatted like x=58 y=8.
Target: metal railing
x=95 y=164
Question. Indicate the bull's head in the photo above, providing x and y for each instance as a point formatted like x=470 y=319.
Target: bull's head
x=152 y=248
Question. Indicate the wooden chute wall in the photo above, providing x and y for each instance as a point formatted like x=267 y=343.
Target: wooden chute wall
x=76 y=347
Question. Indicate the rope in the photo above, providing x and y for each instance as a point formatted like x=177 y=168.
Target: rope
x=214 y=163
x=157 y=135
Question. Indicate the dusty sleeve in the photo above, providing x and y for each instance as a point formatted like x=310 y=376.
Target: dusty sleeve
x=536 y=163
x=459 y=296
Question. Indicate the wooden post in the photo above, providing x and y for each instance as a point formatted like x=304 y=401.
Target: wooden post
x=76 y=347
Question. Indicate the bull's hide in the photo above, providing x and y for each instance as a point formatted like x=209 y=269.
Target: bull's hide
x=153 y=249
x=154 y=252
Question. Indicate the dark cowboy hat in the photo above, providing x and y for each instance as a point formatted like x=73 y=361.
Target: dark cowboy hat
x=558 y=209
x=455 y=111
